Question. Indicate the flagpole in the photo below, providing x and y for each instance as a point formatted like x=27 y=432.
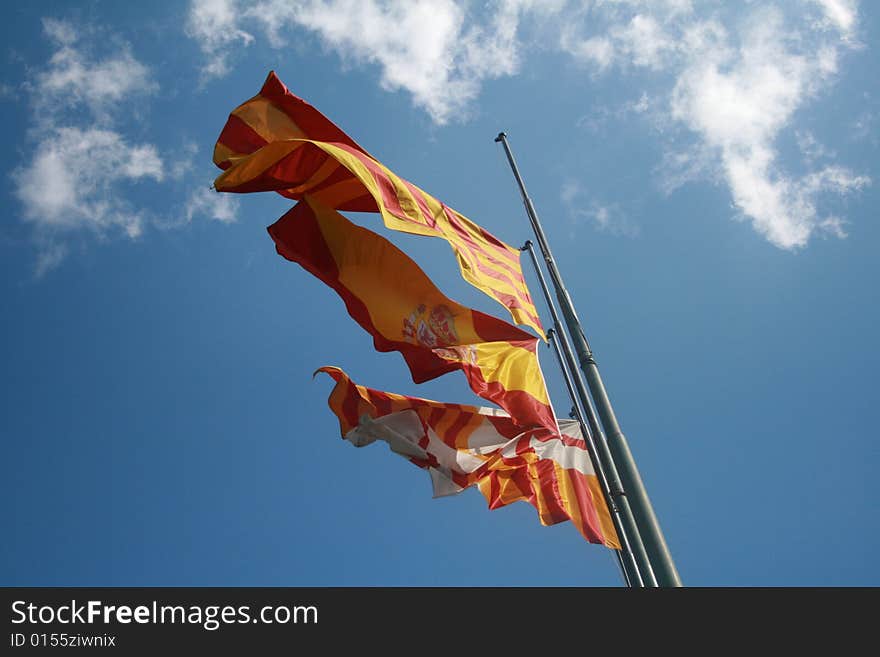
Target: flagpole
x=602 y=461
x=642 y=510
x=628 y=568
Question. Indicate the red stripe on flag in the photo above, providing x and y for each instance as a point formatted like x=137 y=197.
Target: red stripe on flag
x=550 y=487
x=489 y=328
x=350 y=406
x=298 y=230
x=498 y=248
x=427 y=215
x=591 y=527
x=312 y=122
x=382 y=403
x=451 y=435
x=524 y=409
x=292 y=170
x=436 y=415
x=494 y=492
x=240 y=137
x=504 y=426
x=384 y=183
x=502 y=253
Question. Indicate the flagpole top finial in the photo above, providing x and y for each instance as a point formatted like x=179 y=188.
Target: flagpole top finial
x=501 y=135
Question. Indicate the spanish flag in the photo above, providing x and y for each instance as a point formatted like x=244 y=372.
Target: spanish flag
x=278 y=142
x=462 y=446
x=395 y=301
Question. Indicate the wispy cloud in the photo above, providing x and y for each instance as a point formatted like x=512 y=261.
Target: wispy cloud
x=73 y=78
x=597 y=51
x=214 y=26
x=840 y=15
x=213 y=205
x=49 y=257
x=72 y=180
x=736 y=92
x=435 y=50
x=581 y=208
x=600 y=115
x=863 y=127
x=80 y=165
x=740 y=102
x=84 y=173
x=810 y=147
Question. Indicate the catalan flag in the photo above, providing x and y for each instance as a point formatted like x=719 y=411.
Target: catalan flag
x=395 y=301
x=462 y=446
x=278 y=142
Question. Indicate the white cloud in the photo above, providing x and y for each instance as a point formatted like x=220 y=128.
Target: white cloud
x=79 y=175
x=72 y=77
x=569 y=192
x=182 y=162
x=599 y=115
x=737 y=92
x=627 y=32
x=597 y=50
x=738 y=104
x=207 y=203
x=862 y=127
x=835 y=179
x=59 y=31
x=642 y=105
x=644 y=41
x=214 y=25
x=49 y=257
x=840 y=14
x=435 y=50
x=810 y=147
x=72 y=180
x=412 y=42
x=608 y=218
x=493 y=50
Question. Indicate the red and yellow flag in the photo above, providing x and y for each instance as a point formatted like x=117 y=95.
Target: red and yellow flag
x=395 y=301
x=278 y=142
x=462 y=446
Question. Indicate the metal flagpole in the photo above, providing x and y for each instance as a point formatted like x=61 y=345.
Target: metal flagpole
x=649 y=528
x=604 y=464
x=629 y=569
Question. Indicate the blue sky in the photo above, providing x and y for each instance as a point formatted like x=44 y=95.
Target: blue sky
x=706 y=172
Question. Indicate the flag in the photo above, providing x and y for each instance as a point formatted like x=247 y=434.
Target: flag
x=462 y=446
x=278 y=142
x=395 y=301
x=273 y=115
